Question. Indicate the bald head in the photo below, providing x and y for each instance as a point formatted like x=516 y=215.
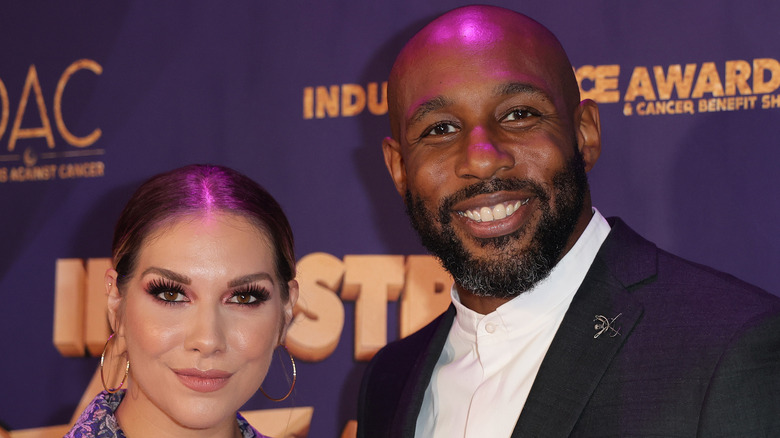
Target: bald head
x=473 y=33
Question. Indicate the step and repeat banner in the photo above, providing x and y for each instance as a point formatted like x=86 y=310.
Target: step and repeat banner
x=96 y=97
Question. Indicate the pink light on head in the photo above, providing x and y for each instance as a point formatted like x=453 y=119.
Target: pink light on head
x=209 y=191
x=471 y=28
x=208 y=198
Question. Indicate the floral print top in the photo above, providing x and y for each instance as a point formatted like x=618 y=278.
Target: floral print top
x=98 y=420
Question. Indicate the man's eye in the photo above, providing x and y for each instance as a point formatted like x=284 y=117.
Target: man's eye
x=441 y=129
x=518 y=114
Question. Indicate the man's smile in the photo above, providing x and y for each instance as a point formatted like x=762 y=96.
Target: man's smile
x=492 y=215
x=494 y=212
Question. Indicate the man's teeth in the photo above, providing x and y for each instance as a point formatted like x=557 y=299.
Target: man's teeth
x=498 y=211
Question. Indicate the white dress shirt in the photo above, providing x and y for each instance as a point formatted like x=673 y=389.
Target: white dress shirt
x=489 y=362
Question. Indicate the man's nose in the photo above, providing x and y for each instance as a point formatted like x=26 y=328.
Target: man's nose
x=206 y=331
x=482 y=157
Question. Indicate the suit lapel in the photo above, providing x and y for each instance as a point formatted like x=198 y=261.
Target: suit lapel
x=414 y=388
x=577 y=358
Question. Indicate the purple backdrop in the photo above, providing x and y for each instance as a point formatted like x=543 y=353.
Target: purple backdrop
x=226 y=83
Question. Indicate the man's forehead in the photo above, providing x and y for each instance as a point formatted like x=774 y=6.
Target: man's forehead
x=435 y=74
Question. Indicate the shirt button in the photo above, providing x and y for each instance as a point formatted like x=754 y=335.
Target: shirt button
x=490 y=327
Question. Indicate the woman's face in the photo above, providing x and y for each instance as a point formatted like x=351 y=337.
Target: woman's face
x=200 y=318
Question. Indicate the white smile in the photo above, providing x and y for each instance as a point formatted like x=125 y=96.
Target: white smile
x=494 y=213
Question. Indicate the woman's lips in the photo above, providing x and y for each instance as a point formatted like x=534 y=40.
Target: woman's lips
x=203 y=381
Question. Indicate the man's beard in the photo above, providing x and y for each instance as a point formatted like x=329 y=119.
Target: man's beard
x=513 y=269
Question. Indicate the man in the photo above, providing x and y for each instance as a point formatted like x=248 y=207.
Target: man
x=562 y=323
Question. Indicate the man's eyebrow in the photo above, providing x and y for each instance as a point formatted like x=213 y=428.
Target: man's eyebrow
x=439 y=102
x=426 y=107
x=251 y=278
x=520 y=88
x=170 y=275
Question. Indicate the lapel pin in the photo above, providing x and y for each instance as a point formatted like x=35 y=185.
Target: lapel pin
x=604 y=324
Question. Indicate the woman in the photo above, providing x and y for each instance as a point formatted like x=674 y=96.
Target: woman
x=201 y=293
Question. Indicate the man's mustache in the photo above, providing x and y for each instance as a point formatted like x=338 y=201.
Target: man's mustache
x=494 y=185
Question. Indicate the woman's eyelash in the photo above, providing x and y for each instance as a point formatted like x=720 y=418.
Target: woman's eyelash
x=249 y=295
x=166 y=291
x=169 y=292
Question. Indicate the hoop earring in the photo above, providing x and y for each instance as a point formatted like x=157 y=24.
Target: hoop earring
x=103 y=379
x=295 y=376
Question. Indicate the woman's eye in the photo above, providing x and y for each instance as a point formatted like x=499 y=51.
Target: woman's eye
x=441 y=129
x=166 y=291
x=242 y=298
x=251 y=296
x=518 y=114
x=171 y=296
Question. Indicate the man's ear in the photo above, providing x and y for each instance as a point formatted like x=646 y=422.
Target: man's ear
x=395 y=163
x=588 y=128
x=114 y=300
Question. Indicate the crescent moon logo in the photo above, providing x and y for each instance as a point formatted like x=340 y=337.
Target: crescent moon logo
x=29 y=157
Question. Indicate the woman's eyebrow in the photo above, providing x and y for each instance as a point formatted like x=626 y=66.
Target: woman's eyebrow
x=167 y=273
x=251 y=278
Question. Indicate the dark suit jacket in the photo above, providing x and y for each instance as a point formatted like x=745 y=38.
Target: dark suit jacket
x=698 y=354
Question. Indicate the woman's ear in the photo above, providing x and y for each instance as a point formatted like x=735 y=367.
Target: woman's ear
x=114 y=299
x=287 y=309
